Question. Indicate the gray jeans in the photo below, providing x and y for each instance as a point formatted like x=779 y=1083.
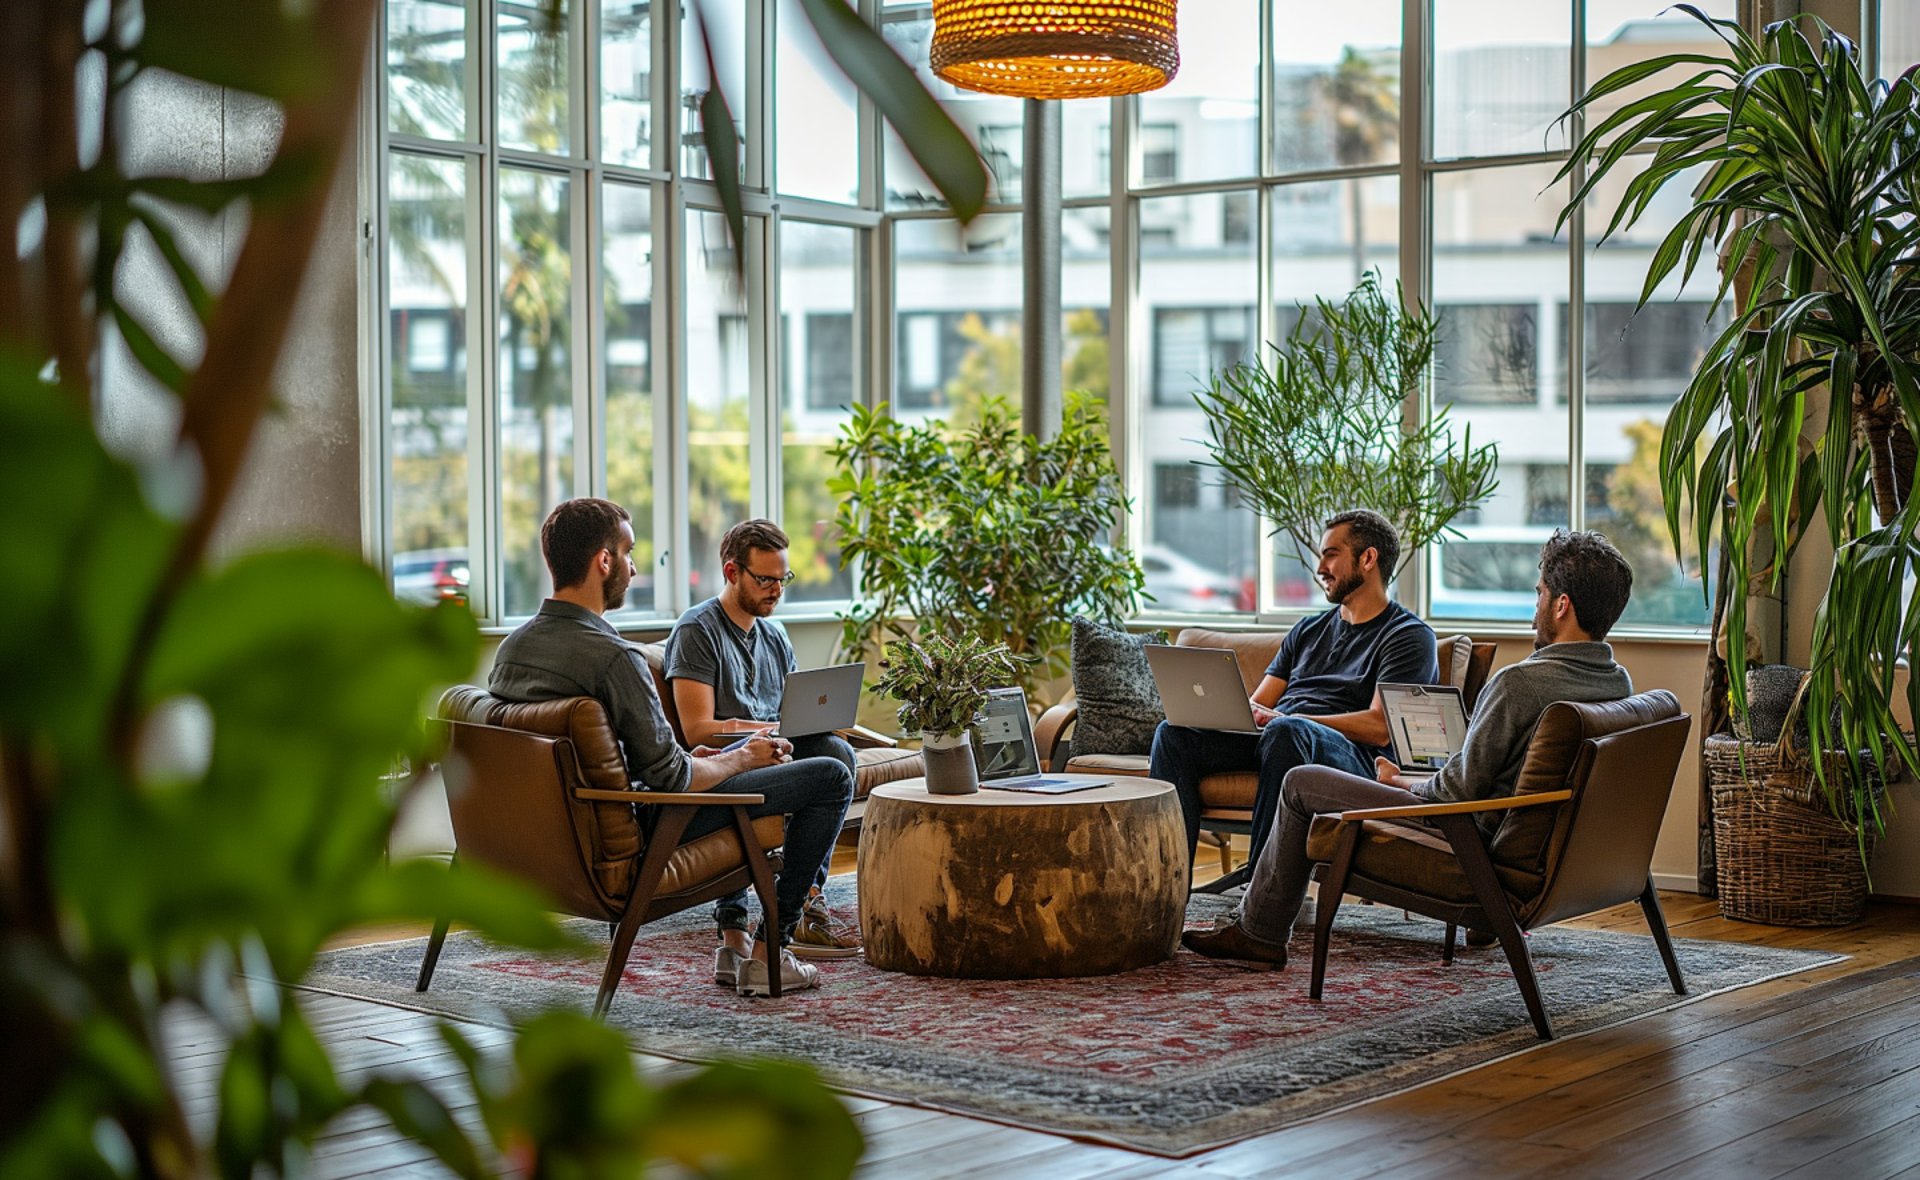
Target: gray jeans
x=1279 y=881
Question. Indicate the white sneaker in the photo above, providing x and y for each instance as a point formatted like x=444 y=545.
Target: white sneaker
x=794 y=975
x=726 y=966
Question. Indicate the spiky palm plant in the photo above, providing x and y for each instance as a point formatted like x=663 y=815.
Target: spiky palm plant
x=1808 y=189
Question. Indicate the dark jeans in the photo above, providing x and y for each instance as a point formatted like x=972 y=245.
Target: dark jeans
x=813 y=793
x=1281 y=871
x=824 y=745
x=1184 y=756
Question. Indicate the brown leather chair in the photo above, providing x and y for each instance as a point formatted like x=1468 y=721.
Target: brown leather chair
x=1576 y=836
x=540 y=792
x=1226 y=800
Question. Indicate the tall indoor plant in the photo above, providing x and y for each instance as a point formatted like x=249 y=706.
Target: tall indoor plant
x=1319 y=427
x=1802 y=174
x=990 y=531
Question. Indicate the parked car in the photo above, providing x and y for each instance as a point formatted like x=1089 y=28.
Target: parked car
x=1179 y=583
x=431 y=575
x=1488 y=572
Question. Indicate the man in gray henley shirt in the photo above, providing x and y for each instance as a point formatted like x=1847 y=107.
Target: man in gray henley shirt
x=1583 y=588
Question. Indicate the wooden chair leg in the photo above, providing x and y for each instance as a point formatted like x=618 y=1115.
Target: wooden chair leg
x=762 y=876
x=1657 y=922
x=1332 y=887
x=1446 y=950
x=434 y=944
x=666 y=837
x=1464 y=835
x=1236 y=878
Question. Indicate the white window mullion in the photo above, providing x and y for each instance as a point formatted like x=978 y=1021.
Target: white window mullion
x=487 y=573
x=1576 y=313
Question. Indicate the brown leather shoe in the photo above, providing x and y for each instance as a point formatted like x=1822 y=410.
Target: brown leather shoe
x=1481 y=938
x=1233 y=942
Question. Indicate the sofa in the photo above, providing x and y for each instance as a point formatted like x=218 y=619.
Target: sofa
x=1227 y=799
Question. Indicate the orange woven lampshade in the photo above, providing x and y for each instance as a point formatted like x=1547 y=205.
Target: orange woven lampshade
x=1055 y=48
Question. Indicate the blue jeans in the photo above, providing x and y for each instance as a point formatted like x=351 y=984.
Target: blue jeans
x=1184 y=756
x=824 y=745
x=813 y=793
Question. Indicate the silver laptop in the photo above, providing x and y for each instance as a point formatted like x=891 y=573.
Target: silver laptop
x=1427 y=723
x=1003 y=751
x=1201 y=688
x=820 y=700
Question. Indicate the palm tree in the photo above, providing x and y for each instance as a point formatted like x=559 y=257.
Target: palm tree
x=1363 y=102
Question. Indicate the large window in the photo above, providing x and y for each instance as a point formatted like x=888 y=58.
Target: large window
x=565 y=312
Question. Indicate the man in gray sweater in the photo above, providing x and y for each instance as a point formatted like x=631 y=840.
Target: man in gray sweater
x=1583 y=588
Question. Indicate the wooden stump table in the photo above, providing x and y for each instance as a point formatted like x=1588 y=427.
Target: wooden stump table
x=1009 y=885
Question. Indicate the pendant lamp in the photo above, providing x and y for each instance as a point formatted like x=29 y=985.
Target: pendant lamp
x=1055 y=48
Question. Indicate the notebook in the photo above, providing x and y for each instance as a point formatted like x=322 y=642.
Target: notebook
x=1003 y=751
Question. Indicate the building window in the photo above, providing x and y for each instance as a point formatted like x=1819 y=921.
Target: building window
x=1191 y=344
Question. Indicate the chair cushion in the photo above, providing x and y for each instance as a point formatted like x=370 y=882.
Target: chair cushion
x=1131 y=765
x=1456 y=659
x=1119 y=705
x=699 y=861
x=1416 y=859
x=874 y=766
x=1233 y=788
x=1253 y=649
x=1523 y=838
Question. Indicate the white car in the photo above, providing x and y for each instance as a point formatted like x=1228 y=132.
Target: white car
x=1179 y=583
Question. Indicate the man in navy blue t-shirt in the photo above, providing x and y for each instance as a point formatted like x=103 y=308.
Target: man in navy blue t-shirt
x=1318 y=704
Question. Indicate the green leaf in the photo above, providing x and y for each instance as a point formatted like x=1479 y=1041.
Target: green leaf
x=935 y=141
x=420 y=1115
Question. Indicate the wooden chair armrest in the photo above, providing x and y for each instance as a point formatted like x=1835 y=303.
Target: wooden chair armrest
x=862 y=738
x=1053 y=724
x=1426 y=810
x=671 y=798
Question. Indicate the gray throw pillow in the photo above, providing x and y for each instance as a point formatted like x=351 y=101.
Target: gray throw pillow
x=1119 y=706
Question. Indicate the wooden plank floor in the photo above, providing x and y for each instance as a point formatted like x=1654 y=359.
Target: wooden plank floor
x=1815 y=1075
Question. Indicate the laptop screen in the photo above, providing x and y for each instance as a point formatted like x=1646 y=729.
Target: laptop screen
x=1003 y=737
x=1428 y=723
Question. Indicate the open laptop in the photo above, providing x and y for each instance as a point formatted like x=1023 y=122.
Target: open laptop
x=816 y=700
x=1003 y=752
x=1427 y=724
x=1201 y=688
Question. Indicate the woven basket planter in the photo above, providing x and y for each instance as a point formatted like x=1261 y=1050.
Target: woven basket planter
x=1784 y=858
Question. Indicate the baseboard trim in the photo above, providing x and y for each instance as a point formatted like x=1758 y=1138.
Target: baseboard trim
x=1675 y=883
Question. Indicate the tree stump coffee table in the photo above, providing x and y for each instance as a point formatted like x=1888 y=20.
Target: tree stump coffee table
x=1007 y=885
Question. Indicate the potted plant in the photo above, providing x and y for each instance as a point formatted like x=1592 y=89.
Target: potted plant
x=941 y=683
x=1325 y=416
x=1802 y=174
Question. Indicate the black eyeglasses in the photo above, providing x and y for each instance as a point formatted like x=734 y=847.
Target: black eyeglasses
x=769 y=581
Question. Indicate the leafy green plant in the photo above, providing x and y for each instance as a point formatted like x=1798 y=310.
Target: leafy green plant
x=192 y=753
x=1803 y=177
x=990 y=533
x=1320 y=428
x=941 y=682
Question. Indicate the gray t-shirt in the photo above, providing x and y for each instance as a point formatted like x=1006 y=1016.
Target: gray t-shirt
x=747 y=670
x=569 y=651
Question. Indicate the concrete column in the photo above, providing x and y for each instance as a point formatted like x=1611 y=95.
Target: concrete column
x=1040 y=263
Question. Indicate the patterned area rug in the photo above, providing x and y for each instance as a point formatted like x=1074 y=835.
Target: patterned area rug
x=1173 y=1059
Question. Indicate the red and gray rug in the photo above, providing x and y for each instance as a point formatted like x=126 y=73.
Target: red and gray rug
x=1172 y=1059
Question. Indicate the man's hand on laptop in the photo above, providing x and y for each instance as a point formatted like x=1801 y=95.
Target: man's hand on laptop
x=1261 y=714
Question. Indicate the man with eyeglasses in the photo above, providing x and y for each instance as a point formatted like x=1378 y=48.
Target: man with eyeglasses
x=727 y=663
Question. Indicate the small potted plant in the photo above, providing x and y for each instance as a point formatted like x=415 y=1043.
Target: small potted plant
x=941 y=685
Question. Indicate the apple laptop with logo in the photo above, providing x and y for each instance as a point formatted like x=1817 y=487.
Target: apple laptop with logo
x=1200 y=688
x=1427 y=722
x=820 y=700
x=1003 y=751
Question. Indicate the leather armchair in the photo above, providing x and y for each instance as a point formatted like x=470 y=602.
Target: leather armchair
x=1576 y=836
x=540 y=792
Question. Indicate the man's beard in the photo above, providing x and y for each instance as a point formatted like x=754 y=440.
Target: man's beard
x=615 y=590
x=1339 y=591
